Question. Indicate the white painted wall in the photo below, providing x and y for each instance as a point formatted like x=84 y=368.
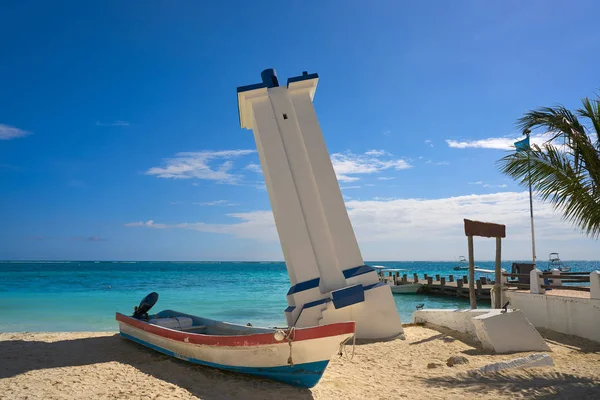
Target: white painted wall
x=457 y=320
x=569 y=315
x=493 y=329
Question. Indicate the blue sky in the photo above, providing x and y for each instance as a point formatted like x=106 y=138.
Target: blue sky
x=119 y=134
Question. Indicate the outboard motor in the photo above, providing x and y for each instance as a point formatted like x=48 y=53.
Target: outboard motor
x=141 y=311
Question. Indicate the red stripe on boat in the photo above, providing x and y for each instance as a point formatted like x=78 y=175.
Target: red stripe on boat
x=258 y=339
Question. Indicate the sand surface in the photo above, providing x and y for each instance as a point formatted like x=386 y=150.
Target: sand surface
x=105 y=366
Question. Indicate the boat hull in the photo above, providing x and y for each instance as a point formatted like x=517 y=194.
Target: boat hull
x=409 y=288
x=255 y=354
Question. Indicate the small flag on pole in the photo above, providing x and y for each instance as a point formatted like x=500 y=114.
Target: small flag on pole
x=522 y=145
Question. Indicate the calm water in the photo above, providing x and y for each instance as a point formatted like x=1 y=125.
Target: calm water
x=83 y=296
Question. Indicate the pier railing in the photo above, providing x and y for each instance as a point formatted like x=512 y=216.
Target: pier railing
x=549 y=280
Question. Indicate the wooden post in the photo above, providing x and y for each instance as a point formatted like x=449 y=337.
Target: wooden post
x=459 y=283
x=404 y=279
x=451 y=278
x=465 y=279
x=443 y=283
x=498 y=272
x=424 y=277
x=437 y=278
x=479 y=288
x=415 y=278
x=472 y=298
x=429 y=280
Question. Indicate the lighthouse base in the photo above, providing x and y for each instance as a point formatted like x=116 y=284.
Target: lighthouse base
x=365 y=300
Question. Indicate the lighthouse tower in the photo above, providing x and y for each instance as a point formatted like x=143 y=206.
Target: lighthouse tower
x=329 y=281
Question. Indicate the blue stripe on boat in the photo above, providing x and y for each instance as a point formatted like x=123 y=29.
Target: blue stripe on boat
x=302 y=286
x=356 y=271
x=304 y=375
x=372 y=286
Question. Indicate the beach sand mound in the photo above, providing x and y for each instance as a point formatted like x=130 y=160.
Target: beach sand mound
x=105 y=366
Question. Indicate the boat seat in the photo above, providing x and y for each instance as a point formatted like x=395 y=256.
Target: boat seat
x=193 y=328
x=177 y=323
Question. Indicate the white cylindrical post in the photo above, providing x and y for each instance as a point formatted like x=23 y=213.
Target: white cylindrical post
x=556 y=281
x=595 y=285
x=536 y=281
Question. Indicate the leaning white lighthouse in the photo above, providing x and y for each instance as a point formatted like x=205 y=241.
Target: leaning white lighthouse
x=329 y=281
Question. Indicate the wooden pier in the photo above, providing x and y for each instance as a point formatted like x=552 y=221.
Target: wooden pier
x=452 y=285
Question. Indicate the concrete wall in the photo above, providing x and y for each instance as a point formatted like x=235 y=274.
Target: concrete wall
x=569 y=315
x=457 y=320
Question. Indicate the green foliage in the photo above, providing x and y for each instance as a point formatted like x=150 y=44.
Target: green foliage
x=566 y=169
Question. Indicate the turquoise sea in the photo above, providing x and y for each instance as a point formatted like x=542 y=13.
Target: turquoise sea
x=84 y=295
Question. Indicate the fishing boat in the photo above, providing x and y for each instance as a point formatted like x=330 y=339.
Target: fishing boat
x=296 y=356
x=463 y=264
x=395 y=285
x=554 y=262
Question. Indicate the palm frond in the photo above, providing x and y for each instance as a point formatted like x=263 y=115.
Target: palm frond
x=554 y=179
x=568 y=176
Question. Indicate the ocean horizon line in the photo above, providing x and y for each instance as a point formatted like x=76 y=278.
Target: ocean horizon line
x=252 y=261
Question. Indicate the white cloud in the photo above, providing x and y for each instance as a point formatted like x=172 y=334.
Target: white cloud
x=487 y=185
x=260 y=222
x=217 y=203
x=116 y=123
x=429 y=142
x=503 y=143
x=208 y=165
x=369 y=184
x=386 y=178
x=350 y=187
x=377 y=153
x=387 y=132
x=8 y=132
x=426 y=229
x=442 y=163
x=254 y=168
x=348 y=164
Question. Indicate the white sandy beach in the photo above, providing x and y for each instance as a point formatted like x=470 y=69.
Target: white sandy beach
x=105 y=366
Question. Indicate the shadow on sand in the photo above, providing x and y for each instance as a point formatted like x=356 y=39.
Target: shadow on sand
x=20 y=356
x=538 y=384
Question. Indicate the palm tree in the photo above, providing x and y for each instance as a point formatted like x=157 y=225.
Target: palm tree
x=565 y=170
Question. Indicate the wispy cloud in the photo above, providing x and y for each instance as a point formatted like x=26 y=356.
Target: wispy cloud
x=251 y=223
x=348 y=164
x=377 y=153
x=8 y=132
x=387 y=132
x=429 y=142
x=116 y=123
x=499 y=143
x=92 y=238
x=386 y=178
x=350 y=187
x=442 y=163
x=11 y=167
x=414 y=222
x=254 y=168
x=39 y=237
x=217 y=203
x=208 y=165
x=487 y=185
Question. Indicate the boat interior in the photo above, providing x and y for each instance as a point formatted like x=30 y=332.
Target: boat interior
x=190 y=323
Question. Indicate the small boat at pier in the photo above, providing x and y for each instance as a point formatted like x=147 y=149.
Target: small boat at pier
x=554 y=262
x=396 y=286
x=296 y=356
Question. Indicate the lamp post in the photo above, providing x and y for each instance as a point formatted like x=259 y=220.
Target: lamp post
x=527 y=132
